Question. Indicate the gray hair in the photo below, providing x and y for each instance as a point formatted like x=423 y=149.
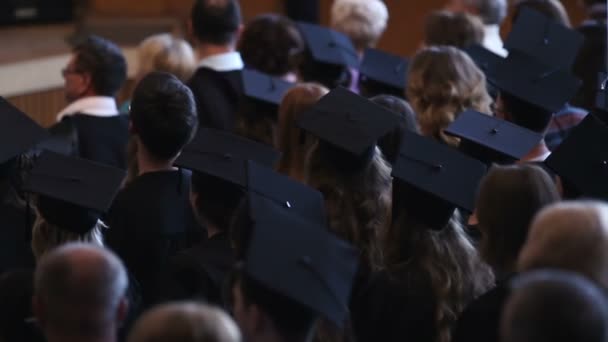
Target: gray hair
x=492 y=12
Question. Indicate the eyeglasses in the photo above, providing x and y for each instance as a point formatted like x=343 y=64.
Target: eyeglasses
x=67 y=71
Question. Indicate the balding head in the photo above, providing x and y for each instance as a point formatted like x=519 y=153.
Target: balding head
x=570 y=236
x=185 y=322
x=554 y=306
x=80 y=292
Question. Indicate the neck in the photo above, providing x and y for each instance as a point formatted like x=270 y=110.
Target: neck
x=147 y=163
x=205 y=50
x=539 y=150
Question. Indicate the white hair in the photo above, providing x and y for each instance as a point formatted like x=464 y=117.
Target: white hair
x=363 y=21
x=164 y=52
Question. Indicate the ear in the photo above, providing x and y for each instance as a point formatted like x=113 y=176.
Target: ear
x=38 y=310
x=87 y=82
x=123 y=311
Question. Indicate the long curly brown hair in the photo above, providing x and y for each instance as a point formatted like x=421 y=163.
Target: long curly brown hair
x=443 y=82
x=358 y=203
x=446 y=257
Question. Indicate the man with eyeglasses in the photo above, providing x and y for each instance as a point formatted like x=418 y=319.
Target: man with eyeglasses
x=91 y=126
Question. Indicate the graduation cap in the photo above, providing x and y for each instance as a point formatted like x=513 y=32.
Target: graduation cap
x=544 y=39
x=73 y=192
x=303 y=261
x=264 y=88
x=581 y=160
x=18 y=132
x=602 y=97
x=485 y=59
x=432 y=179
x=383 y=73
x=329 y=46
x=267 y=187
x=349 y=125
x=224 y=155
x=492 y=140
x=534 y=82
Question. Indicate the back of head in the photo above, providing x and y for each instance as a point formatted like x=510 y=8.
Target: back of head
x=390 y=143
x=104 y=61
x=553 y=9
x=185 y=322
x=163 y=114
x=553 y=306
x=492 y=12
x=455 y=29
x=281 y=41
x=216 y=22
x=443 y=81
x=163 y=52
x=571 y=236
x=523 y=113
x=78 y=291
x=363 y=21
x=508 y=200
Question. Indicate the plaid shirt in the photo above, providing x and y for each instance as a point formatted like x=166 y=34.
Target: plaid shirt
x=562 y=123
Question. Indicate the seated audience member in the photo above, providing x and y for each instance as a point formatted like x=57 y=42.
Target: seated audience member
x=391 y=142
x=508 y=199
x=185 y=322
x=571 y=236
x=216 y=83
x=460 y=30
x=550 y=306
x=443 y=82
x=269 y=43
x=432 y=270
x=151 y=218
x=493 y=13
x=91 y=126
x=293 y=143
x=363 y=21
x=80 y=294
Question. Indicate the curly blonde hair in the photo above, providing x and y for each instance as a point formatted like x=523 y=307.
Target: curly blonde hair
x=358 y=202
x=363 y=21
x=443 y=82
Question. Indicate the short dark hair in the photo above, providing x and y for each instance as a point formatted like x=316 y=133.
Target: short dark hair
x=216 y=22
x=526 y=114
x=217 y=199
x=163 y=114
x=104 y=61
x=455 y=29
x=391 y=142
x=269 y=43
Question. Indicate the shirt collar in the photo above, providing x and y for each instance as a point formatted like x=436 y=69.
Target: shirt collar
x=492 y=40
x=223 y=62
x=102 y=106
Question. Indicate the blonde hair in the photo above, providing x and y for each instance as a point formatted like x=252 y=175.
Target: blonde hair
x=443 y=82
x=454 y=29
x=363 y=21
x=46 y=236
x=185 y=322
x=445 y=257
x=358 y=203
x=570 y=236
x=163 y=52
x=293 y=143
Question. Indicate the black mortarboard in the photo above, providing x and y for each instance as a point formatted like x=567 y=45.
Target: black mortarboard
x=581 y=160
x=267 y=187
x=544 y=39
x=263 y=87
x=73 y=192
x=485 y=59
x=602 y=98
x=385 y=71
x=490 y=139
x=329 y=46
x=224 y=155
x=348 y=122
x=302 y=261
x=534 y=82
x=18 y=132
x=433 y=179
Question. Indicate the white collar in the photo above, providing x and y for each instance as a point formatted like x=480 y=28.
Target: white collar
x=492 y=40
x=223 y=62
x=102 y=106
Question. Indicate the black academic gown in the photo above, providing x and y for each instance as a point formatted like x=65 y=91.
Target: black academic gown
x=200 y=273
x=150 y=221
x=100 y=139
x=217 y=95
x=15 y=236
x=480 y=320
x=395 y=306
